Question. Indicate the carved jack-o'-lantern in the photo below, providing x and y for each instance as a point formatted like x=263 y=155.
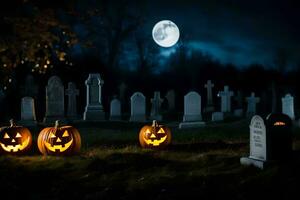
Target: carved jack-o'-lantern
x=155 y=136
x=59 y=140
x=14 y=139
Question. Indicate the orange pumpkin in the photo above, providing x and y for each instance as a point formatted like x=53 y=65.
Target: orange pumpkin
x=57 y=140
x=155 y=136
x=14 y=139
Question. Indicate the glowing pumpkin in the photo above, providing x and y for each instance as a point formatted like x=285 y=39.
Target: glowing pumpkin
x=154 y=136
x=14 y=139
x=57 y=140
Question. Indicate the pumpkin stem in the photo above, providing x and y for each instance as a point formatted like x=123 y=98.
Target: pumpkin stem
x=154 y=123
x=56 y=123
x=12 y=123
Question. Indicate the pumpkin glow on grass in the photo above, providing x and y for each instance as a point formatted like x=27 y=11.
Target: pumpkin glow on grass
x=15 y=140
x=57 y=140
x=155 y=136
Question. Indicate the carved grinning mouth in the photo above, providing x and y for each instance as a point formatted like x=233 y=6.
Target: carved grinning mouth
x=15 y=148
x=59 y=148
x=155 y=142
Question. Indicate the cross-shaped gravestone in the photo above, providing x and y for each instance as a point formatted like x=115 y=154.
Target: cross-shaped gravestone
x=252 y=101
x=288 y=106
x=155 y=109
x=72 y=93
x=209 y=105
x=225 y=99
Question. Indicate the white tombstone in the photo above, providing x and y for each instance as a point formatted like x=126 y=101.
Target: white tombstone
x=288 y=106
x=155 y=108
x=138 y=107
x=72 y=93
x=258 y=143
x=192 y=111
x=170 y=96
x=225 y=99
x=209 y=105
x=55 y=106
x=217 y=116
x=94 y=109
x=252 y=101
x=115 y=110
x=28 y=116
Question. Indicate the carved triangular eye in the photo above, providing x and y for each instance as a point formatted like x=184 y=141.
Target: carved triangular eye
x=6 y=135
x=52 y=135
x=66 y=134
x=148 y=131
x=18 y=135
x=161 y=130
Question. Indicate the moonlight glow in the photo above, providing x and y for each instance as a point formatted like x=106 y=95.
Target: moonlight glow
x=165 y=33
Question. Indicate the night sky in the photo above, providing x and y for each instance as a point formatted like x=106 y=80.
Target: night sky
x=233 y=31
x=230 y=31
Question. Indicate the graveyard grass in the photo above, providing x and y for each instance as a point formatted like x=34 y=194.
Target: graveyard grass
x=201 y=163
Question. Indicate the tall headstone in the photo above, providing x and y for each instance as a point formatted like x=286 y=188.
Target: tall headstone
x=192 y=111
x=155 y=108
x=28 y=116
x=138 y=107
x=288 y=106
x=252 y=101
x=94 y=109
x=170 y=96
x=270 y=141
x=209 y=104
x=72 y=94
x=55 y=108
x=225 y=99
x=115 y=110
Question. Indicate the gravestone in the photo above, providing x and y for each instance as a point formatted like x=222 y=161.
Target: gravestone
x=225 y=99
x=72 y=94
x=156 y=107
x=288 y=106
x=258 y=143
x=55 y=108
x=269 y=142
x=217 y=116
x=209 y=104
x=192 y=111
x=251 y=104
x=115 y=110
x=28 y=117
x=94 y=109
x=138 y=107
x=170 y=96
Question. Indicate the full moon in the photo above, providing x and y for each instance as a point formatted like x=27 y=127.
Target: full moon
x=165 y=33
